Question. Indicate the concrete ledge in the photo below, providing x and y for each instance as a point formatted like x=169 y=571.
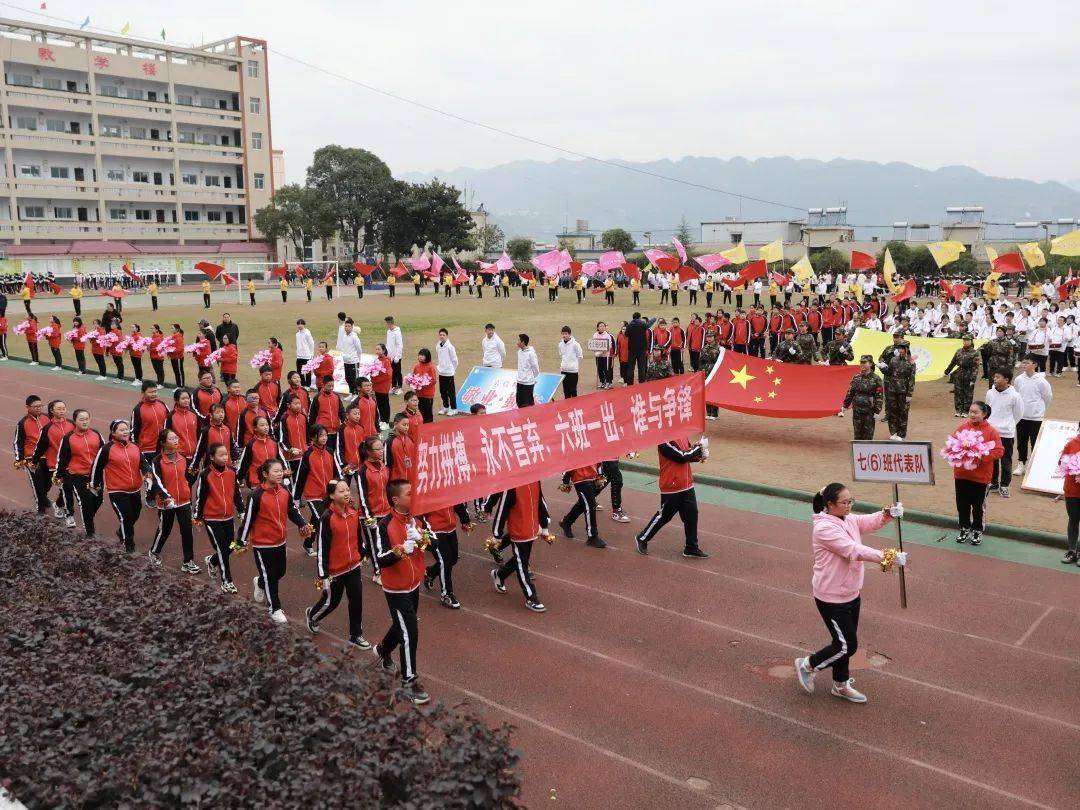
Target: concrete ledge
x=913 y=515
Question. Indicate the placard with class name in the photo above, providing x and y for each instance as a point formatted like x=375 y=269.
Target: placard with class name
x=891 y=462
x=1040 y=473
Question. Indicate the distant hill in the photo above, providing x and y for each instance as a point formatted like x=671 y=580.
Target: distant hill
x=532 y=198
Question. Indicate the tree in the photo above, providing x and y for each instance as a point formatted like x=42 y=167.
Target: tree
x=568 y=246
x=487 y=239
x=520 y=249
x=828 y=261
x=684 y=234
x=617 y=239
x=425 y=214
x=355 y=184
x=296 y=214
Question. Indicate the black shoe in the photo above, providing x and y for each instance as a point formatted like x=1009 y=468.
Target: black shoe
x=993 y=488
x=567 y=532
x=642 y=546
x=1069 y=558
x=450 y=601
x=964 y=536
x=414 y=693
x=696 y=553
x=535 y=605
x=312 y=626
x=499 y=586
x=429 y=581
x=976 y=538
x=596 y=542
x=385 y=661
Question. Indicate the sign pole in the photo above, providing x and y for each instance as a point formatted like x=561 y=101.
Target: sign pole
x=900 y=543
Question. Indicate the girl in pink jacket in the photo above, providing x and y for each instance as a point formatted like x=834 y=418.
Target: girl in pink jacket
x=839 y=555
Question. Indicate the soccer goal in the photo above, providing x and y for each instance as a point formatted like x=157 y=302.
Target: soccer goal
x=260 y=273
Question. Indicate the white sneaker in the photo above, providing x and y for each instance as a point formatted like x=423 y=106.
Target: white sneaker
x=258 y=593
x=4 y=357
x=58 y=512
x=441 y=412
x=451 y=412
x=1019 y=469
x=34 y=363
x=279 y=617
x=136 y=383
x=841 y=414
x=57 y=368
x=805 y=674
x=848 y=692
x=98 y=377
x=70 y=522
x=895 y=438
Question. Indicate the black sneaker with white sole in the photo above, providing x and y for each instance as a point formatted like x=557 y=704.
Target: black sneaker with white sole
x=499 y=586
x=450 y=601
x=413 y=692
x=312 y=626
x=429 y=581
x=535 y=605
x=385 y=661
x=567 y=531
x=976 y=538
x=596 y=542
x=361 y=642
x=1069 y=558
x=696 y=553
x=642 y=546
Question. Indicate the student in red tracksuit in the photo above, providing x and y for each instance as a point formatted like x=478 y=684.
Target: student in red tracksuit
x=740 y=333
x=426 y=394
x=261 y=448
x=56 y=335
x=136 y=355
x=677 y=494
x=277 y=360
x=45 y=455
x=350 y=438
x=695 y=339
x=265 y=529
x=412 y=411
x=316 y=469
x=678 y=342
x=118 y=470
x=369 y=408
x=148 y=419
x=341 y=550
x=325 y=367
x=295 y=388
x=759 y=327
x=970 y=485
x=269 y=390
x=206 y=394
x=76 y=455
x=169 y=485
x=327 y=410
x=229 y=359
x=400 y=449
x=382 y=383
x=217 y=502
x=97 y=350
x=372 y=480
x=176 y=356
x=31 y=335
x=215 y=431
x=293 y=432
x=519 y=515
x=622 y=351
x=444 y=523
x=401 y=560
x=78 y=344
x=660 y=337
x=583 y=480
x=28 y=432
x=3 y=340
x=186 y=422
x=235 y=404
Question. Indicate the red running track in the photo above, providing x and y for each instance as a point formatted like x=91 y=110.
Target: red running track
x=664 y=682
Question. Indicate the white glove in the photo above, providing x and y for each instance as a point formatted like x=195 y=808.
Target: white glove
x=412 y=533
x=409 y=545
x=896 y=510
x=883 y=366
x=704 y=442
x=791 y=351
x=704 y=453
x=901 y=558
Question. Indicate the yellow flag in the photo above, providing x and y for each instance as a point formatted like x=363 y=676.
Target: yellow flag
x=991 y=255
x=945 y=252
x=772 y=252
x=1066 y=245
x=930 y=355
x=126 y=28
x=736 y=255
x=1032 y=254
x=889 y=271
x=802 y=269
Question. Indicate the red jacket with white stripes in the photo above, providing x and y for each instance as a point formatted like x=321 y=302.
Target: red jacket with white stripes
x=292 y=431
x=203 y=398
x=399 y=574
x=371 y=487
x=316 y=469
x=369 y=416
x=148 y=419
x=341 y=545
x=118 y=467
x=48 y=445
x=213 y=434
x=448 y=518
x=519 y=513
x=328 y=411
x=269 y=507
x=253 y=455
x=347 y=451
x=27 y=434
x=169 y=478
x=186 y=423
x=77 y=452
x=580 y=474
x=218 y=494
x=401 y=457
x=675 y=472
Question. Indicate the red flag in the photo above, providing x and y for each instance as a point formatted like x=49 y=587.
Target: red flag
x=28 y=282
x=300 y=271
x=597 y=290
x=56 y=289
x=748 y=384
x=780 y=279
x=329 y=275
x=747 y=274
x=364 y=269
x=650 y=414
x=953 y=291
x=862 y=261
x=430 y=275
x=905 y=292
x=631 y=270
x=575 y=270
x=228 y=279
x=279 y=272
x=399 y=269
x=212 y=270
x=1065 y=290
x=128 y=272
x=461 y=278
x=687 y=274
x=114 y=293
x=525 y=275
x=1008 y=263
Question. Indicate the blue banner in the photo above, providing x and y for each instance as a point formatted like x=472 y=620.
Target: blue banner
x=496 y=389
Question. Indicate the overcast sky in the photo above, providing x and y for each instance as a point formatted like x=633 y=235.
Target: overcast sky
x=977 y=82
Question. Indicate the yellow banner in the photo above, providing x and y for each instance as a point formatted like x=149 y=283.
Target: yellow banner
x=1032 y=254
x=945 y=252
x=736 y=255
x=1066 y=245
x=772 y=252
x=931 y=355
x=889 y=271
x=802 y=269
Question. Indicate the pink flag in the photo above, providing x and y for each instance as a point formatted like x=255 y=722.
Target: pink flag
x=487 y=267
x=590 y=268
x=662 y=260
x=421 y=262
x=436 y=263
x=711 y=261
x=612 y=260
x=457 y=266
x=680 y=248
x=504 y=262
x=548 y=263
x=565 y=260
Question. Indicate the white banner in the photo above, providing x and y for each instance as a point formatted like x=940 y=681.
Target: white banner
x=891 y=462
x=1041 y=473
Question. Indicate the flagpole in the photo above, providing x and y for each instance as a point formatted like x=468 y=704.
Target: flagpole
x=900 y=543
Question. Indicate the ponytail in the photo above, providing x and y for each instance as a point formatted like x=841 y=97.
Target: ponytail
x=826 y=495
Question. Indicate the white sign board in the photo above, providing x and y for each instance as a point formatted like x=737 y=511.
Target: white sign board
x=892 y=462
x=1041 y=472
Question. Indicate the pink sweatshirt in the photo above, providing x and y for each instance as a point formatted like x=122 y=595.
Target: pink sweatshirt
x=839 y=554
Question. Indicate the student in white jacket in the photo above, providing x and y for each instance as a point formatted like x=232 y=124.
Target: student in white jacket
x=1036 y=393
x=395 y=348
x=1006 y=410
x=446 y=363
x=349 y=346
x=305 y=348
x=569 y=362
x=528 y=370
x=492 y=348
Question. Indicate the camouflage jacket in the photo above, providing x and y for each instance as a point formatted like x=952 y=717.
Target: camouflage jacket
x=1001 y=352
x=788 y=351
x=865 y=392
x=839 y=352
x=900 y=378
x=966 y=361
x=658 y=370
x=709 y=353
x=808 y=346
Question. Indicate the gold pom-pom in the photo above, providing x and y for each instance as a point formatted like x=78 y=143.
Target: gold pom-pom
x=888 y=557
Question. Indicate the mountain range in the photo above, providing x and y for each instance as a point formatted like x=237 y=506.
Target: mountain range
x=540 y=199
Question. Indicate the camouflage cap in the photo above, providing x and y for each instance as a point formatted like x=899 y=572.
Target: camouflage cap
x=789 y=331
x=899 y=333
x=866 y=358
x=967 y=336
x=903 y=344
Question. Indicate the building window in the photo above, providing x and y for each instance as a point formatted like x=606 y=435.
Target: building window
x=51 y=83
x=29 y=170
x=189 y=179
x=253 y=69
x=63 y=213
x=142 y=214
x=23 y=80
x=191 y=216
x=212 y=180
x=117 y=213
x=109 y=90
x=114 y=175
x=25 y=122
x=254 y=105
x=135 y=92
x=140 y=177
x=55 y=125
x=256 y=140
x=213 y=216
x=110 y=130
x=33 y=212
x=139 y=133
x=186 y=137
x=258 y=180
x=184 y=98
x=59 y=172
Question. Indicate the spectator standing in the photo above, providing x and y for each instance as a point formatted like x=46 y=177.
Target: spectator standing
x=528 y=369
x=446 y=366
x=305 y=348
x=1006 y=411
x=395 y=346
x=493 y=349
x=569 y=362
x=228 y=327
x=1036 y=393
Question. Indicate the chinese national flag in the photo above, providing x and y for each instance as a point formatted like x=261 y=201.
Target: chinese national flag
x=279 y=272
x=687 y=274
x=212 y=270
x=1065 y=290
x=780 y=279
x=747 y=274
x=631 y=270
x=862 y=261
x=954 y=291
x=364 y=269
x=748 y=384
x=905 y=292
x=525 y=275
x=1009 y=263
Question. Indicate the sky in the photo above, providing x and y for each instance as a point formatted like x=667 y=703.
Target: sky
x=982 y=83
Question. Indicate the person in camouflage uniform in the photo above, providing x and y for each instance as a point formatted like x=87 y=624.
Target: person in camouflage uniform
x=807 y=343
x=659 y=365
x=788 y=350
x=899 y=376
x=839 y=351
x=999 y=353
x=710 y=351
x=964 y=368
x=864 y=397
x=883 y=362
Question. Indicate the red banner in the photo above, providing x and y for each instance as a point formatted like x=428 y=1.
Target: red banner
x=474 y=456
x=212 y=270
x=862 y=261
x=1008 y=263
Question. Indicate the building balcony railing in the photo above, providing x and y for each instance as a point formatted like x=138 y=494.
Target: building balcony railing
x=54 y=189
x=49 y=99
x=52 y=141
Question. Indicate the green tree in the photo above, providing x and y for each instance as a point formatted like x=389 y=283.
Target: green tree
x=568 y=247
x=355 y=184
x=828 y=261
x=424 y=214
x=488 y=238
x=298 y=215
x=520 y=249
x=617 y=239
x=684 y=234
